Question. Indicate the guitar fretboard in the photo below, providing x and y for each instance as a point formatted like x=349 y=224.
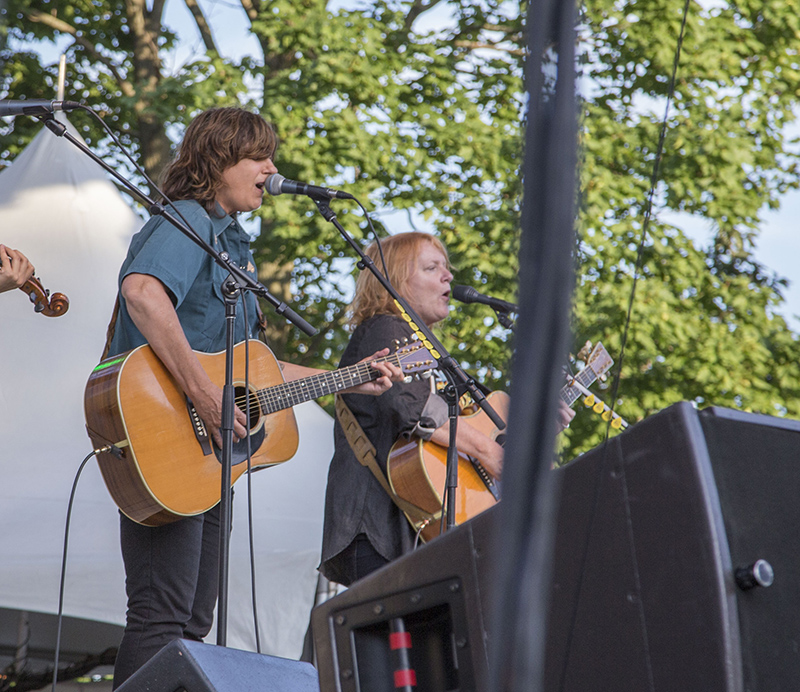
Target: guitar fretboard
x=570 y=393
x=295 y=392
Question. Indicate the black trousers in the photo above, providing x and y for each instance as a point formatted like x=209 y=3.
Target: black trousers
x=171 y=579
x=360 y=559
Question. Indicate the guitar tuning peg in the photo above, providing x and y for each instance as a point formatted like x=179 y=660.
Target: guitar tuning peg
x=408 y=379
x=583 y=354
x=405 y=340
x=396 y=344
x=427 y=374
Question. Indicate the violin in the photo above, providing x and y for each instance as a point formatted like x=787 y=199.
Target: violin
x=49 y=306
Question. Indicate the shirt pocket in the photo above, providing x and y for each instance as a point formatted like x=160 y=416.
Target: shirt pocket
x=214 y=323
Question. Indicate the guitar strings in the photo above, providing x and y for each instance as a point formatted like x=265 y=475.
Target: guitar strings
x=297 y=390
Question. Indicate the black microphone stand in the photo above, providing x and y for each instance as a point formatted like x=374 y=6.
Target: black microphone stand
x=458 y=381
x=504 y=319
x=237 y=281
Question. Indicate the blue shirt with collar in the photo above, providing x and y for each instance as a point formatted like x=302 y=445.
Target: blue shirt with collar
x=193 y=280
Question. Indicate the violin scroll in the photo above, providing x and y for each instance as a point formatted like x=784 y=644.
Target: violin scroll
x=43 y=303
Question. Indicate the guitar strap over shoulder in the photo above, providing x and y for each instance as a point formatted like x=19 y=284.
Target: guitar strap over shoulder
x=112 y=326
x=365 y=453
x=261 y=322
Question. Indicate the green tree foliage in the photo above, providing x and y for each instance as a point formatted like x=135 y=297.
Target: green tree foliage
x=705 y=324
x=422 y=124
x=421 y=118
x=413 y=120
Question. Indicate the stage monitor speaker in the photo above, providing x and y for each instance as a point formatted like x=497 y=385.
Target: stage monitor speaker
x=676 y=566
x=674 y=570
x=188 y=666
x=440 y=592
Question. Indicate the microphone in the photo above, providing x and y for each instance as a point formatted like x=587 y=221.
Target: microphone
x=35 y=107
x=277 y=185
x=467 y=294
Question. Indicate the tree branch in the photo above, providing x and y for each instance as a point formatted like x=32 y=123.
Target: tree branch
x=62 y=26
x=158 y=8
x=417 y=8
x=202 y=25
x=250 y=8
x=477 y=45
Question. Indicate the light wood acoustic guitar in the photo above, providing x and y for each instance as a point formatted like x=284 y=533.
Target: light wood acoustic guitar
x=417 y=469
x=167 y=465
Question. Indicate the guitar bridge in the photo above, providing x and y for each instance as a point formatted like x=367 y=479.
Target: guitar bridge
x=486 y=477
x=199 y=428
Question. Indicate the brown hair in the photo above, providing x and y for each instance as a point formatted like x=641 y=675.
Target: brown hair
x=400 y=252
x=214 y=141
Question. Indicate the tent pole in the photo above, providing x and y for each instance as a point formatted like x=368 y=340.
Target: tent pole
x=23 y=637
x=62 y=76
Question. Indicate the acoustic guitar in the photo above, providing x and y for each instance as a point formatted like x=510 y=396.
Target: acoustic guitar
x=417 y=469
x=167 y=465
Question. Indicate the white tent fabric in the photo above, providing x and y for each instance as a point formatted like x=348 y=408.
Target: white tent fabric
x=59 y=208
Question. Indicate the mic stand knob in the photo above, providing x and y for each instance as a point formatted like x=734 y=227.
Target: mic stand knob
x=760 y=573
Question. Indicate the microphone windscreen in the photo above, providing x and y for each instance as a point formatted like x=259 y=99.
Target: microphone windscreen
x=463 y=294
x=273 y=184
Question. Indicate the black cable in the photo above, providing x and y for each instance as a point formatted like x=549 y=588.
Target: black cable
x=108 y=448
x=377 y=239
x=250 y=523
x=602 y=468
x=155 y=188
x=648 y=212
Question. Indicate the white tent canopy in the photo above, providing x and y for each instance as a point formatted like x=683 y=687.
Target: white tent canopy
x=59 y=208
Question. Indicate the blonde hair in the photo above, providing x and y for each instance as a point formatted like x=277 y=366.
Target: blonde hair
x=400 y=252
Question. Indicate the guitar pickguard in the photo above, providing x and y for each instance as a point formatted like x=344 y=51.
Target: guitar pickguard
x=239 y=454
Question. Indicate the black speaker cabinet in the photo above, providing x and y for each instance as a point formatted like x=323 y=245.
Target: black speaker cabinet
x=440 y=591
x=667 y=541
x=187 y=666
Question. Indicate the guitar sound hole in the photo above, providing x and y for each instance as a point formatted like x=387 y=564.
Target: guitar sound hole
x=241 y=401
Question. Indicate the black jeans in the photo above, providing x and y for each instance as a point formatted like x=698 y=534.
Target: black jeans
x=360 y=559
x=171 y=579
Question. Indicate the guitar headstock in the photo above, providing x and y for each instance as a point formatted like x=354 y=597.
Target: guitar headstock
x=598 y=360
x=597 y=363
x=413 y=358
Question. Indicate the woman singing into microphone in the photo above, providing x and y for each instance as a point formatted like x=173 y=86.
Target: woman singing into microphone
x=364 y=529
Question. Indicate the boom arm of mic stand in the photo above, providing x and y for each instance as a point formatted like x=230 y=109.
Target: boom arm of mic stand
x=245 y=281
x=455 y=372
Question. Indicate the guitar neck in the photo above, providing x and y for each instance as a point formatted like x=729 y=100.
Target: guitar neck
x=570 y=393
x=299 y=391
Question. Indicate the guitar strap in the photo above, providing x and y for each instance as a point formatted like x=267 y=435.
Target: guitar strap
x=262 y=322
x=112 y=326
x=365 y=453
